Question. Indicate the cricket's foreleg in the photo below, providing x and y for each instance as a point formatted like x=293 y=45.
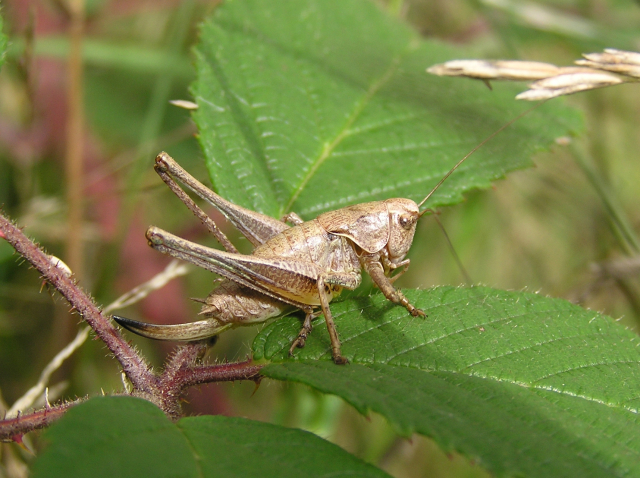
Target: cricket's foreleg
x=374 y=268
x=391 y=266
x=403 y=266
x=399 y=274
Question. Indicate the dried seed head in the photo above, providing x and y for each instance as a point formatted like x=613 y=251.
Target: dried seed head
x=618 y=61
x=596 y=70
x=611 y=55
x=569 y=83
x=495 y=70
x=185 y=104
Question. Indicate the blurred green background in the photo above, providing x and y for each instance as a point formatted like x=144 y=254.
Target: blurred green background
x=567 y=228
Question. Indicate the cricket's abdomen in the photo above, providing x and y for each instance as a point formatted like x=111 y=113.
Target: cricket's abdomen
x=228 y=306
x=232 y=303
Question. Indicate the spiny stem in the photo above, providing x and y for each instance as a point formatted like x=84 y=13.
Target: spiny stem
x=163 y=390
x=132 y=364
x=227 y=372
x=33 y=421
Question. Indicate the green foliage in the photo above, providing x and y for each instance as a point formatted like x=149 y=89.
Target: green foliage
x=330 y=105
x=129 y=437
x=312 y=105
x=523 y=384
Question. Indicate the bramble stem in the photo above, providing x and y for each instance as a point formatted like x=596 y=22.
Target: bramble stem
x=42 y=418
x=182 y=370
x=133 y=365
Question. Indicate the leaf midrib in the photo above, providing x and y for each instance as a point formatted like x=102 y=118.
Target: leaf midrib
x=196 y=456
x=525 y=385
x=345 y=131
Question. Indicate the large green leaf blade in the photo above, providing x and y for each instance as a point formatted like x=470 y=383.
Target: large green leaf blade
x=114 y=436
x=518 y=382
x=262 y=449
x=506 y=428
x=124 y=436
x=313 y=105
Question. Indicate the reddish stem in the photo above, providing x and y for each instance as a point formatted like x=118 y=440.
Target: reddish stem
x=227 y=372
x=132 y=364
x=22 y=424
x=164 y=390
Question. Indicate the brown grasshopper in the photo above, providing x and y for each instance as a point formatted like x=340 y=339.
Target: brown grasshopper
x=301 y=266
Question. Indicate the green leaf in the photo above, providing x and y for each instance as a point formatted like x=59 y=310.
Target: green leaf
x=520 y=383
x=312 y=105
x=124 y=436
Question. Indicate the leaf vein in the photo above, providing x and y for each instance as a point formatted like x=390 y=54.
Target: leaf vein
x=531 y=346
x=328 y=148
x=595 y=364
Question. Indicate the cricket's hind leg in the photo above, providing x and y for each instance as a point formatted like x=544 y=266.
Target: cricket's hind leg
x=256 y=227
x=165 y=166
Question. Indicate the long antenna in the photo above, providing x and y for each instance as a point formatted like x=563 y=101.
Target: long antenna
x=452 y=249
x=486 y=140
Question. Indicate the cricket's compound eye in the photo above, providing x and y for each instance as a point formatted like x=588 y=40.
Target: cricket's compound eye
x=407 y=221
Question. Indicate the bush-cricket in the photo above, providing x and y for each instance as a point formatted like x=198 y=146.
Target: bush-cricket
x=301 y=266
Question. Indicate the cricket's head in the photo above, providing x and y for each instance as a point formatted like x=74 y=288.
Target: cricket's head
x=403 y=218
